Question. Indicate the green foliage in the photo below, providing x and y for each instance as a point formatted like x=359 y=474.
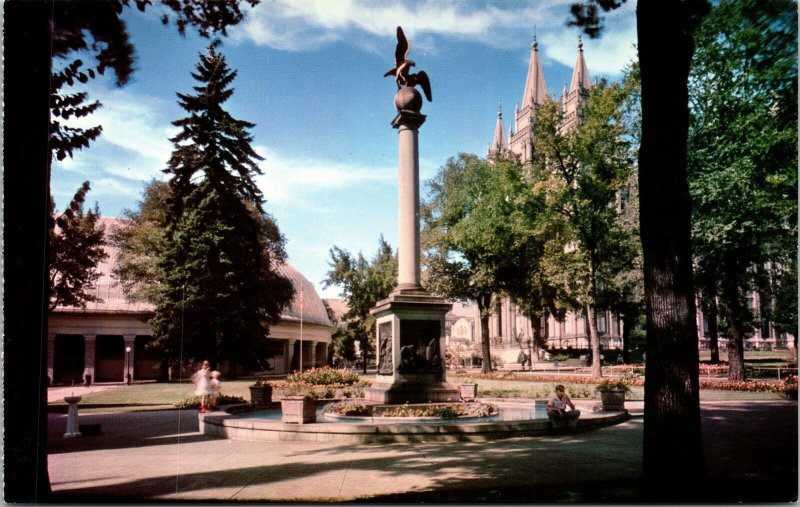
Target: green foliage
x=590 y=243
x=219 y=290
x=97 y=29
x=477 y=236
x=222 y=399
x=743 y=158
x=324 y=376
x=76 y=249
x=362 y=283
x=141 y=242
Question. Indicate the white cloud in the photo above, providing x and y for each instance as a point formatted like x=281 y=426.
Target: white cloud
x=607 y=55
x=135 y=123
x=293 y=180
x=306 y=25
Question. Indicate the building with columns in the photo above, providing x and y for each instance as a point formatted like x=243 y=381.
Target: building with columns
x=108 y=338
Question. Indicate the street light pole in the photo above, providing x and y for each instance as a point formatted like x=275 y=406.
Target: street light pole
x=128 y=365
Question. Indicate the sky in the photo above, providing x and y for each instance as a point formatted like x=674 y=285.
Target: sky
x=310 y=78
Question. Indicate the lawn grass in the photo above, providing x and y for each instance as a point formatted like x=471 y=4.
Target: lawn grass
x=161 y=396
x=150 y=396
x=758 y=357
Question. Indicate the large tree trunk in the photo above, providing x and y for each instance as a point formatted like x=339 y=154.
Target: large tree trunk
x=484 y=303
x=26 y=182
x=673 y=461
x=591 y=317
x=594 y=341
x=733 y=313
x=712 y=315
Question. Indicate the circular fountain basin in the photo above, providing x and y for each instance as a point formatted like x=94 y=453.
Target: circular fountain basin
x=516 y=418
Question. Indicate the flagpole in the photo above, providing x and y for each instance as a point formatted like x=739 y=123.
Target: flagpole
x=301 y=326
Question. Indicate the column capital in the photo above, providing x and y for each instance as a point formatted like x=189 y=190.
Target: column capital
x=410 y=120
x=90 y=337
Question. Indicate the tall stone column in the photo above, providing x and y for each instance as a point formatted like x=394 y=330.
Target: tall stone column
x=408 y=250
x=89 y=354
x=410 y=322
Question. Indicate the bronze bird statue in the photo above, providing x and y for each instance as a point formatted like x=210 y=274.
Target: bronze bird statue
x=402 y=67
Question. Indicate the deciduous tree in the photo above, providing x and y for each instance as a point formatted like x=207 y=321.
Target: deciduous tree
x=76 y=249
x=476 y=224
x=362 y=284
x=673 y=446
x=581 y=174
x=743 y=156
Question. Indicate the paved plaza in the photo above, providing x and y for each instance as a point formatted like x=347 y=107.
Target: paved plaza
x=751 y=448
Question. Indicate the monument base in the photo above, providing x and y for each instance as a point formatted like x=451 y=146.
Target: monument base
x=411 y=392
x=410 y=328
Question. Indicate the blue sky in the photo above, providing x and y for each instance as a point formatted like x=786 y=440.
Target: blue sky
x=310 y=77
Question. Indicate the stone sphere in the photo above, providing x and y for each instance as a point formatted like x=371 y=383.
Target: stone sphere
x=408 y=98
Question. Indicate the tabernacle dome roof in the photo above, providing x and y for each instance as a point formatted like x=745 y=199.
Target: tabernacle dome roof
x=109 y=290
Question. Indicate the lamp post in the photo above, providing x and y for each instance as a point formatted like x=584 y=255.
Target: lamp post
x=128 y=363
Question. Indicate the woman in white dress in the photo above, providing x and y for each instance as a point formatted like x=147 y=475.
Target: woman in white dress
x=202 y=379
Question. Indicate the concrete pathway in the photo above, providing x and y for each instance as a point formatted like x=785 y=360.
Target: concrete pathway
x=160 y=456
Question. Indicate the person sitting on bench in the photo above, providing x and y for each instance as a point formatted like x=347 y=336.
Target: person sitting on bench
x=557 y=409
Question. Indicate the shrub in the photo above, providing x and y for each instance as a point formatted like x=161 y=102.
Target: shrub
x=194 y=401
x=324 y=376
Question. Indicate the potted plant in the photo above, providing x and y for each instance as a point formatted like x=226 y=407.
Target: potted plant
x=261 y=392
x=299 y=406
x=468 y=391
x=612 y=394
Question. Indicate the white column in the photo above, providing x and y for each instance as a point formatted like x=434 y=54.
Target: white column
x=89 y=347
x=51 y=349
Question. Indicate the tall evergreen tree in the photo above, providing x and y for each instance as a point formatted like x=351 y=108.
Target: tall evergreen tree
x=220 y=291
x=76 y=248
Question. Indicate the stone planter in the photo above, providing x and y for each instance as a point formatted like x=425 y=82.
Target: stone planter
x=613 y=399
x=261 y=395
x=298 y=409
x=468 y=391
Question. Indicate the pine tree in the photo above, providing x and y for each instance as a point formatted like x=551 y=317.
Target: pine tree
x=220 y=292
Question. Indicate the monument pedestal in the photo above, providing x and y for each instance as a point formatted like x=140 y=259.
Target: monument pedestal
x=411 y=364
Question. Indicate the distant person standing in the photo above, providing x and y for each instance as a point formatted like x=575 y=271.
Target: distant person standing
x=202 y=380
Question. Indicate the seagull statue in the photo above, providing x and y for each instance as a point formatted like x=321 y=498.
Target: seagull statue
x=402 y=66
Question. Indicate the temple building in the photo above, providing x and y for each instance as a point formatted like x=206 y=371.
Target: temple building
x=509 y=329
x=107 y=339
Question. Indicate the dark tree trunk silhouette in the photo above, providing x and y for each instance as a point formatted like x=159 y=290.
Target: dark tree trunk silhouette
x=26 y=180
x=673 y=449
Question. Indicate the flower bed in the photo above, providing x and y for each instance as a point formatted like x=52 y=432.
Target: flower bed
x=281 y=388
x=324 y=376
x=719 y=384
x=194 y=401
x=442 y=410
